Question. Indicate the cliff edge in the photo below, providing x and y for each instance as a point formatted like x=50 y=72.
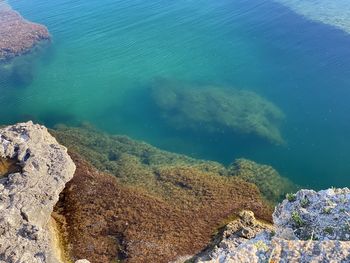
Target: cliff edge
x=38 y=169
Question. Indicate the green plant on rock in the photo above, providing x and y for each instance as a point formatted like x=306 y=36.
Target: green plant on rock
x=291 y=197
x=327 y=210
x=343 y=199
x=304 y=202
x=261 y=245
x=298 y=221
x=329 y=230
x=346 y=227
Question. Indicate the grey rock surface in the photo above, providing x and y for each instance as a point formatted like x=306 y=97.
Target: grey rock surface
x=308 y=227
x=323 y=215
x=28 y=197
x=235 y=234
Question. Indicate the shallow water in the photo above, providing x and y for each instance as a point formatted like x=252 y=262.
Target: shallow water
x=105 y=55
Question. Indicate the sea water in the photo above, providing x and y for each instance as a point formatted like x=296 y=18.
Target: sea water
x=104 y=55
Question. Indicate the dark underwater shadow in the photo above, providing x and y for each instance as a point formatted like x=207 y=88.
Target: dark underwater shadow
x=19 y=72
x=140 y=118
x=50 y=118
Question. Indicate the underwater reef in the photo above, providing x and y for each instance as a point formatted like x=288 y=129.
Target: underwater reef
x=131 y=201
x=271 y=184
x=135 y=163
x=150 y=205
x=106 y=220
x=215 y=109
x=18 y=36
x=334 y=13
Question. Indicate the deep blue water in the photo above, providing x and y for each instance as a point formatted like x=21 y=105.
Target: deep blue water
x=105 y=54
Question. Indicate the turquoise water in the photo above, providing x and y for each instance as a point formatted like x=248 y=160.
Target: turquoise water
x=105 y=54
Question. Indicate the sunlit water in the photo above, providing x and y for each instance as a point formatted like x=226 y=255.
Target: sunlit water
x=105 y=53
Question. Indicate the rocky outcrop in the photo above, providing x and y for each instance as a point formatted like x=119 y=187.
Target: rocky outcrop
x=308 y=227
x=29 y=193
x=17 y=35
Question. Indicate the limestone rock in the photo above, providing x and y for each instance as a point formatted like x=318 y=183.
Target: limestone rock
x=322 y=215
x=309 y=227
x=235 y=234
x=29 y=195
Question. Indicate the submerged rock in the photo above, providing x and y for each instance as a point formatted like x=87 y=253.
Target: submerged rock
x=29 y=194
x=271 y=184
x=132 y=202
x=143 y=204
x=308 y=227
x=218 y=110
x=334 y=13
x=106 y=219
x=135 y=162
x=17 y=35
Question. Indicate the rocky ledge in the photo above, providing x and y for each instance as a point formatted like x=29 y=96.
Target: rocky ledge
x=17 y=35
x=29 y=191
x=308 y=227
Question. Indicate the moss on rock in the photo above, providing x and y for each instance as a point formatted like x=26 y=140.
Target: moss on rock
x=133 y=200
x=168 y=214
x=271 y=184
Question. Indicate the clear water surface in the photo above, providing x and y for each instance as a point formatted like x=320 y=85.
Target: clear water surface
x=105 y=53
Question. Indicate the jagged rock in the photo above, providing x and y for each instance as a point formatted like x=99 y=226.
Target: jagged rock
x=29 y=195
x=309 y=227
x=237 y=232
x=17 y=35
x=323 y=215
